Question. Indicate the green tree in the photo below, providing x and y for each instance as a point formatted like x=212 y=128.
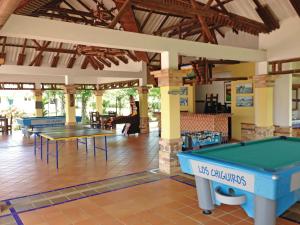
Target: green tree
x=84 y=96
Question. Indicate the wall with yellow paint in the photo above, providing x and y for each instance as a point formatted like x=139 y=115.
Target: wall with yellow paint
x=240 y=114
x=191 y=107
x=236 y=70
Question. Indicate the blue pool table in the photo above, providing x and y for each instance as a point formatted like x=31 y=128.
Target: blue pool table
x=262 y=176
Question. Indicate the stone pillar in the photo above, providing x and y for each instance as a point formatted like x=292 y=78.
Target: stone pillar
x=169 y=81
x=263 y=102
x=144 y=117
x=99 y=100
x=38 y=96
x=70 y=91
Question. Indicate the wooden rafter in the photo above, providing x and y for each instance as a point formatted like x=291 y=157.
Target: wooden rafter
x=55 y=59
x=203 y=23
x=267 y=16
x=146 y=20
x=296 y=5
x=185 y=9
x=22 y=55
x=71 y=61
x=3 y=54
x=121 y=12
x=37 y=61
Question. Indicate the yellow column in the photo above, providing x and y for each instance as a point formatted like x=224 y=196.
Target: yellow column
x=144 y=117
x=38 y=96
x=263 y=103
x=70 y=91
x=169 y=81
x=99 y=106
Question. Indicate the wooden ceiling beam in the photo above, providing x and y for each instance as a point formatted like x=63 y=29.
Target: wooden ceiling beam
x=146 y=21
x=104 y=61
x=85 y=63
x=267 y=16
x=123 y=59
x=296 y=5
x=217 y=16
x=37 y=61
x=55 y=59
x=113 y=60
x=223 y=3
x=131 y=55
x=129 y=23
x=22 y=55
x=3 y=54
x=71 y=61
x=203 y=23
x=121 y=12
x=174 y=27
x=220 y=32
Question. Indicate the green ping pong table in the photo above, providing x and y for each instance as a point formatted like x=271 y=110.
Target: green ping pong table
x=77 y=133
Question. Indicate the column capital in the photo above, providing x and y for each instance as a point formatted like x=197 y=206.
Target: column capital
x=99 y=92
x=169 y=77
x=70 y=89
x=262 y=81
x=37 y=92
x=143 y=90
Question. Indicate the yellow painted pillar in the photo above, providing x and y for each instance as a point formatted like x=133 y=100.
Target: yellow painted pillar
x=144 y=117
x=263 y=103
x=38 y=96
x=99 y=101
x=70 y=91
x=169 y=81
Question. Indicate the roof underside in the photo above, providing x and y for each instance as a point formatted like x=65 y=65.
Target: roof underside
x=146 y=20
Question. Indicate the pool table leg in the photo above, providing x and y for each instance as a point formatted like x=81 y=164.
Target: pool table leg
x=204 y=195
x=265 y=211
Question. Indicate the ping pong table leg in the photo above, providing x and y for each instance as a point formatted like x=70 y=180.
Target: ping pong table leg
x=47 y=150
x=41 y=147
x=86 y=145
x=94 y=139
x=105 y=142
x=34 y=139
x=56 y=143
x=77 y=143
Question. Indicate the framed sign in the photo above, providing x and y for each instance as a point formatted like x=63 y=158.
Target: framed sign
x=244 y=88
x=244 y=101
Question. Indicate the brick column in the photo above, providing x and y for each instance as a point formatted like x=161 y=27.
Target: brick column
x=263 y=102
x=144 y=117
x=70 y=109
x=38 y=96
x=99 y=100
x=169 y=81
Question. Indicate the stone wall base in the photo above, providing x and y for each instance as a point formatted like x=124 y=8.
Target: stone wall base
x=252 y=132
x=248 y=131
x=144 y=125
x=264 y=132
x=283 y=131
x=168 y=160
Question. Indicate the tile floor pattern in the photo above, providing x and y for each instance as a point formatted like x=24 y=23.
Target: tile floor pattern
x=22 y=173
x=146 y=198
x=174 y=204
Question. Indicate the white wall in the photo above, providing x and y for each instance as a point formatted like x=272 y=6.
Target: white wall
x=283 y=43
x=283 y=101
x=215 y=88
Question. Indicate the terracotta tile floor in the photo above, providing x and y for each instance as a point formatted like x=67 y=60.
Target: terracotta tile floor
x=22 y=173
x=163 y=202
